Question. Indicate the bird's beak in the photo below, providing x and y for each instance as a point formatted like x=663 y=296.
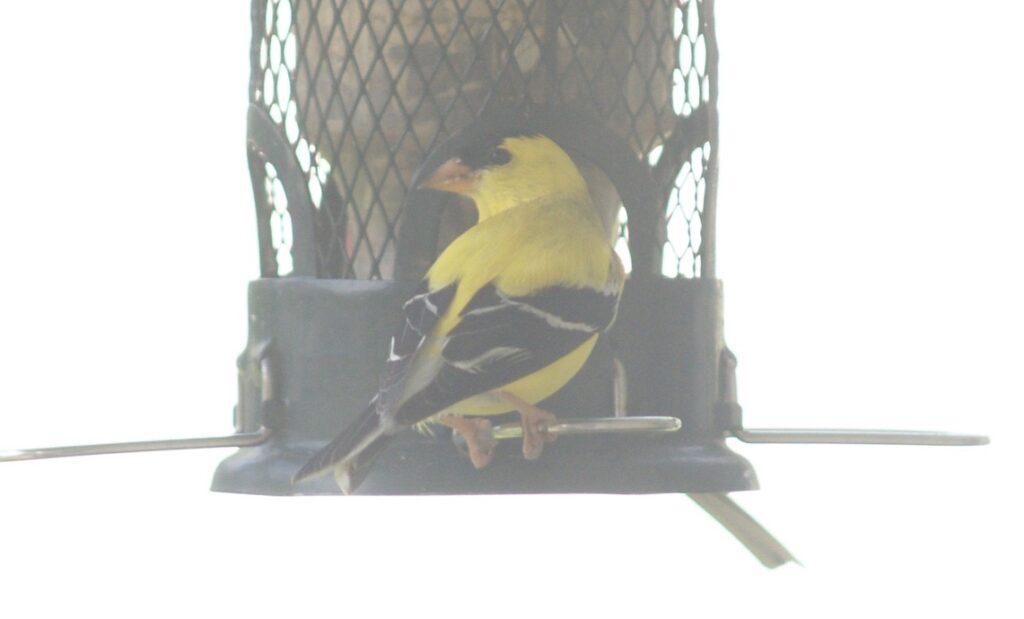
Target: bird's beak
x=453 y=176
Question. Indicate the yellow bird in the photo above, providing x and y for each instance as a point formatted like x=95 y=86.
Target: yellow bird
x=506 y=315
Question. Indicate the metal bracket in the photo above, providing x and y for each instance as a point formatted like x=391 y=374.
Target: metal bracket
x=244 y=436
x=747 y=531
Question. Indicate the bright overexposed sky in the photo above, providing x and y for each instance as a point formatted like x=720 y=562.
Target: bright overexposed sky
x=870 y=211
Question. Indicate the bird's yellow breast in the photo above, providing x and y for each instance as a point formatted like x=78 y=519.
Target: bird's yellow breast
x=521 y=251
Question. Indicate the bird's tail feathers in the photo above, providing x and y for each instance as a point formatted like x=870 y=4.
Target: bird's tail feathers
x=350 y=453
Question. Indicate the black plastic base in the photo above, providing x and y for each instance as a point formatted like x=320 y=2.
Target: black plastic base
x=329 y=337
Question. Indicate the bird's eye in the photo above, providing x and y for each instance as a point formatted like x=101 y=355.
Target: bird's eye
x=500 y=156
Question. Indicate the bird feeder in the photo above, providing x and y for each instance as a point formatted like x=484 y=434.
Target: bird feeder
x=348 y=98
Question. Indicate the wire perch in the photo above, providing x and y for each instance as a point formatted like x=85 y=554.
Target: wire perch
x=597 y=425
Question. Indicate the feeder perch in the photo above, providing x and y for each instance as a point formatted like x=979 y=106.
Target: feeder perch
x=347 y=100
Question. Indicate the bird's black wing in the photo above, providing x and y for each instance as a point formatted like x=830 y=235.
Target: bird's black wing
x=422 y=312
x=357 y=445
x=501 y=338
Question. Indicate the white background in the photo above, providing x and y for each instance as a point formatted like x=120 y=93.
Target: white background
x=870 y=211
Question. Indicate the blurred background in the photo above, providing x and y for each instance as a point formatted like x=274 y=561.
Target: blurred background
x=869 y=215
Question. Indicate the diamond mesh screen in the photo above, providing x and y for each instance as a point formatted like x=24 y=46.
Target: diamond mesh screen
x=362 y=90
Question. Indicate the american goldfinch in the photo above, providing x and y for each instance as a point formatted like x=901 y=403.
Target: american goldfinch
x=506 y=315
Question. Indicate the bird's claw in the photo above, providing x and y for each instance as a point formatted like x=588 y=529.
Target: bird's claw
x=534 y=422
x=535 y=432
x=480 y=441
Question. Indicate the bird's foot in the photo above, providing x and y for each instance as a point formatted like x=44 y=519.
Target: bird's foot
x=535 y=422
x=480 y=442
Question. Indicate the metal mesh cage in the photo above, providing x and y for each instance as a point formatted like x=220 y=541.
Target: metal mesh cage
x=359 y=91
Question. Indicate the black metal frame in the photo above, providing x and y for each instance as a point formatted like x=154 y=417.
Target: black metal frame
x=335 y=215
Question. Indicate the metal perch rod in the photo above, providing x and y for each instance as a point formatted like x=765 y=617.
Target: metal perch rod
x=597 y=425
x=241 y=439
x=857 y=437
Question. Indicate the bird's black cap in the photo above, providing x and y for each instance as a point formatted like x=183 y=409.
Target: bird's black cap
x=474 y=142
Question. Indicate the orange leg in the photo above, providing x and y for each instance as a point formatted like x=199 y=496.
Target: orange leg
x=535 y=422
x=477 y=433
